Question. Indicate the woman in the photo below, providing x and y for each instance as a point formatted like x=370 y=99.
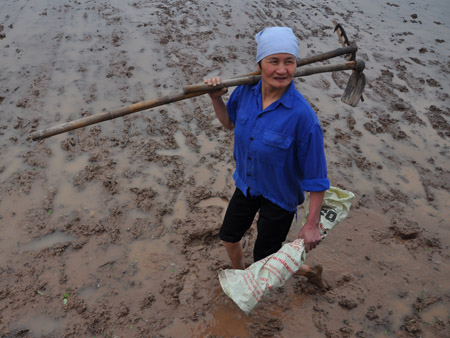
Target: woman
x=278 y=150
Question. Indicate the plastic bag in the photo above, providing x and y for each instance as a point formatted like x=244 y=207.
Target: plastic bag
x=335 y=207
x=247 y=287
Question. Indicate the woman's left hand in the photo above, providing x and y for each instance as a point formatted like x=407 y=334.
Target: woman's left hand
x=311 y=236
x=310 y=232
x=215 y=81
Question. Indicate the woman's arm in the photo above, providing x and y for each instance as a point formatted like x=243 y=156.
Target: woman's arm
x=219 y=105
x=310 y=231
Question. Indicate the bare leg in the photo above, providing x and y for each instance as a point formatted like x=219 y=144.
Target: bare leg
x=236 y=254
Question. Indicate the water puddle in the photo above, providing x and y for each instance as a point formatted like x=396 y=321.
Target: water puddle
x=87 y=265
x=179 y=212
x=12 y=165
x=70 y=198
x=90 y=294
x=47 y=241
x=225 y=321
x=223 y=324
x=135 y=214
x=220 y=184
x=400 y=309
x=206 y=145
x=152 y=258
x=182 y=149
x=202 y=175
x=436 y=313
x=40 y=325
x=156 y=180
x=298 y=309
x=75 y=165
x=13 y=216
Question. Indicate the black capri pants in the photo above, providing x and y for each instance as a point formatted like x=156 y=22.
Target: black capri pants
x=273 y=223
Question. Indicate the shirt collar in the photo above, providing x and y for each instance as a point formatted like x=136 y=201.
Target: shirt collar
x=286 y=99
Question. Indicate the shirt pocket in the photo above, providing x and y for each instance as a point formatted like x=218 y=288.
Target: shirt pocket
x=275 y=148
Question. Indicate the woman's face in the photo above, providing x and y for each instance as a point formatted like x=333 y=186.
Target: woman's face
x=277 y=70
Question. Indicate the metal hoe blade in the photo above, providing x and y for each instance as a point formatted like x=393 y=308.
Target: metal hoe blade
x=355 y=85
x=354 y=90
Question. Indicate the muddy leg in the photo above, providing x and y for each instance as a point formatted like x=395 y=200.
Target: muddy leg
x=236 y=254
x=314 y=275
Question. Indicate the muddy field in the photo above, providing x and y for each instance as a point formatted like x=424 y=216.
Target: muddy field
x=111 y=230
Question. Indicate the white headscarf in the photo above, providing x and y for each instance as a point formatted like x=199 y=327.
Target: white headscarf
x=273 y=40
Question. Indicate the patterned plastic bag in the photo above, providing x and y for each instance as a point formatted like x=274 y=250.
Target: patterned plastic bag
x=247 y=287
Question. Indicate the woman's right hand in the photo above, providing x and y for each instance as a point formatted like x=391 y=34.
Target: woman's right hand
x=215 y=81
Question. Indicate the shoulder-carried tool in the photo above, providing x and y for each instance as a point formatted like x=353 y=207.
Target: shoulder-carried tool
x=351 y=95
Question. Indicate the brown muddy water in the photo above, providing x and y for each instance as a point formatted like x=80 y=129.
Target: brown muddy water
x=111 y=230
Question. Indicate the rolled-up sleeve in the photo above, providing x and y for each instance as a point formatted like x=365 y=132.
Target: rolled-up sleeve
x=312 y=161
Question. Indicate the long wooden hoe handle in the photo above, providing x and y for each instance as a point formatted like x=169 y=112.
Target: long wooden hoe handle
x=190 y=92
x=109 y=115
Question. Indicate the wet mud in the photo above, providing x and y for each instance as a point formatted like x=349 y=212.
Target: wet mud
x=112 y=230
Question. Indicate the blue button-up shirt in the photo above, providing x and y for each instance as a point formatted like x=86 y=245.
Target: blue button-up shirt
x=279 y=151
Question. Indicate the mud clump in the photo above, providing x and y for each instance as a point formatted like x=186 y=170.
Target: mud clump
x=347 y=304
x=414 y=324
x=269 y=328
x=405 y=233
x=144 y=197
x=437 y=118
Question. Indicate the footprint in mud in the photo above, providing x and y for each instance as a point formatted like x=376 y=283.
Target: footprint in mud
x=347 y=293
x=340 y=79
x=187 y=295
x=320 y=83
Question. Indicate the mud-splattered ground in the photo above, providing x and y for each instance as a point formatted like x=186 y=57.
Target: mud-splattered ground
x=111 y=230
